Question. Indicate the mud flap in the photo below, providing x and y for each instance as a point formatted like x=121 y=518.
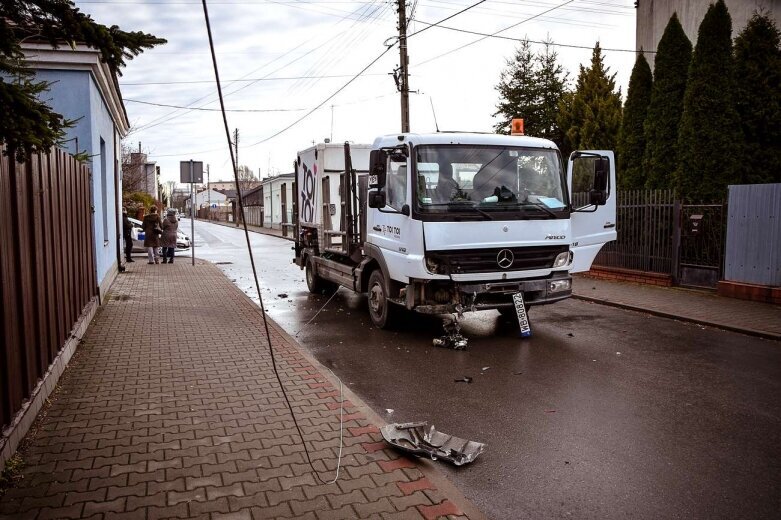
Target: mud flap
x=523 y=319
x=421 y=439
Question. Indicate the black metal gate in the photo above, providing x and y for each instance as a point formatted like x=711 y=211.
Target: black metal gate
x=700 y=245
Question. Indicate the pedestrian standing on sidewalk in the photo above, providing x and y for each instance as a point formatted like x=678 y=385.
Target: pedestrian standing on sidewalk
x=152 y=232
x=127 y=235
x=168 y=240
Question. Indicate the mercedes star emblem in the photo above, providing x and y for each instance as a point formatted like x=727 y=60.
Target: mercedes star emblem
x=505 y=258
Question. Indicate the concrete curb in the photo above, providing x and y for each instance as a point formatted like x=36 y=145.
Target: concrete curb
x=750 y=332
x=253 y=229
x=426 y=467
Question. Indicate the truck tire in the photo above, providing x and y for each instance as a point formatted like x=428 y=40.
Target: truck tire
x=381 y=311
x=314 y=283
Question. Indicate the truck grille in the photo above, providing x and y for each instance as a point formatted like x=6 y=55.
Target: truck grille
x=488 y=260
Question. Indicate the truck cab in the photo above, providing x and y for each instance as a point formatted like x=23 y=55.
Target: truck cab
x=457 y=222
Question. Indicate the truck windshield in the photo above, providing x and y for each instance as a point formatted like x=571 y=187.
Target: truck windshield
x=480 y=180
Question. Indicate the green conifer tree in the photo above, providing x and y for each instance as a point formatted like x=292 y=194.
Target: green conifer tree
x=758 y=100
x=530 y=88
x=591 y=117
x=519 y=91
x=27 y=124
x=552 y=79
x=709 y=138
x=631 y=143
x=671 y=68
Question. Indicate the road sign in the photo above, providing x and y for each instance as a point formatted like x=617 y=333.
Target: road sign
x=214 y=206
x=191 y=172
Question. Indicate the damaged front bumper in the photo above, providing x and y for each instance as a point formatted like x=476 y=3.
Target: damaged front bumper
x=421 y=439
x=430 y=297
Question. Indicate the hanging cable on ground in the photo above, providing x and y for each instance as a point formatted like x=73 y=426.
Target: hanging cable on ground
x=255 y=275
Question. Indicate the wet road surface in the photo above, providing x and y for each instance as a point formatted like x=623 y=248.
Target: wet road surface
x=603 y=413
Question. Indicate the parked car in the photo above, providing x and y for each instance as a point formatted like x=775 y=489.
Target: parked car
x=182 y=240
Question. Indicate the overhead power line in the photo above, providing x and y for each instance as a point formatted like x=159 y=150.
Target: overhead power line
x=326 y=100
x=243 y=80
x=554 y=44
x=177 y=113
x=214 y=109
x=451 y=51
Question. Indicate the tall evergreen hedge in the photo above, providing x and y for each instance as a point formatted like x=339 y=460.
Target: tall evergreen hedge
x=758 y=100
x=631 y=142
x=671 y=67
x=709 y=138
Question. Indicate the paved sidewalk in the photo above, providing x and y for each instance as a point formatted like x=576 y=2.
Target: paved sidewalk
x=170 y=408
x=703 y=307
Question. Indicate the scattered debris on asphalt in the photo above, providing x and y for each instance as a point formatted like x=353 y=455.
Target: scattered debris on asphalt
x=465 y=379
x=421 y=439
x=452 y=338
x=389 y=410
x=282 y=295
x=571 y=335
x=517 y=373
x=485 y=368
x=550 y=411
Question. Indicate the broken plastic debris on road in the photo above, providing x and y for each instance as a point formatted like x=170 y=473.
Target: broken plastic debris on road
x=421 y=439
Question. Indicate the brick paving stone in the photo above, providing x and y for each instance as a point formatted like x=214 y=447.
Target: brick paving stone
x=443 y=509
x=301 y=507
x=244 y=514
x=344 y=513
x=149 y=424
x=415 y=499
x=409 y=514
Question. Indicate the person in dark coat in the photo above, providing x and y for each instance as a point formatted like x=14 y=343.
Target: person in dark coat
x=127 y=235
x=168 y=240
x=152 y=231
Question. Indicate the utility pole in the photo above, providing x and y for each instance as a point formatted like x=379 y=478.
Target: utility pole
x=403 y=66
x=209 y=192
x=236 y=146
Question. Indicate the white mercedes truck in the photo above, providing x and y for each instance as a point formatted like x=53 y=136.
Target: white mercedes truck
x=451 y=222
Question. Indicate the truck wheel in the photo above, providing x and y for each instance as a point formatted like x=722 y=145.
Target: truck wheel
x=381 y=311
x=314 y=283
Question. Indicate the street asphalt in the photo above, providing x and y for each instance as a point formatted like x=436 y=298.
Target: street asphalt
x=602 y=413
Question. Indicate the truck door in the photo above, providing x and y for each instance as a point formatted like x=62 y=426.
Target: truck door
x=389 y=228
x=593 y=223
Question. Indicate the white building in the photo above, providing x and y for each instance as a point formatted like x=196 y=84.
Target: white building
x=278 y=201
x=206 y=197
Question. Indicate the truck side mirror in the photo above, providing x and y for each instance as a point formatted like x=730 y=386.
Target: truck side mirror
x=598 y=194
x=377 y=169
x=376 y=199
x=601 y=173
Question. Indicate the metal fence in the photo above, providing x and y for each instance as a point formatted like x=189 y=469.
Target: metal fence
x=47 y=266
x=754 y=235
x=644 y=222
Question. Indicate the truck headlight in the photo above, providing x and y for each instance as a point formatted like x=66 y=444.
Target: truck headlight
x=432 y=266
x=559 y=285
x=562 y=259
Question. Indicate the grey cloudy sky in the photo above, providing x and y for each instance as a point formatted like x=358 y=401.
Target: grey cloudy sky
x=265 y=48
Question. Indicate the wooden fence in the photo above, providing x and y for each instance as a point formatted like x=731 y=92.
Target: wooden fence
x=47 y=266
